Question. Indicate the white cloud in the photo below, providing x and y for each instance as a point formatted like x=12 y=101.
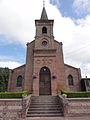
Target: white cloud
x=77 y=50
x=81 y=6
x=17 y=19
x=10 y=64
x=17 y=22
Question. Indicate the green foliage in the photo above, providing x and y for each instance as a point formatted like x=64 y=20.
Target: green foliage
x=26 y=92
x=64 y=91
x=9 y=95
x=75 y=94
x=4 y=76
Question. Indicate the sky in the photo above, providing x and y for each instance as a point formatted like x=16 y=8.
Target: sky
x=71 y=27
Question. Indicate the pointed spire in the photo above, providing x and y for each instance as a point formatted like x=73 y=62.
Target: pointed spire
x=43 y=3
x=44 y=14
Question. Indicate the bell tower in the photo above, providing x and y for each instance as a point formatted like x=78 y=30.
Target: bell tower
x=44 y=38
x=44 y=57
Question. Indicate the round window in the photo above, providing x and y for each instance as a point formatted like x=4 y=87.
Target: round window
x=44 y=43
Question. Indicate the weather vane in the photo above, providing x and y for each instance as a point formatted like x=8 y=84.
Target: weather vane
x=43 y=3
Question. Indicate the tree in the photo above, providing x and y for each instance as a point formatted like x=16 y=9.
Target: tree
x=4 y=76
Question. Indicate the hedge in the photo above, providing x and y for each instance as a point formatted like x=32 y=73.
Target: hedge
x=75 y=94
x=7 y=95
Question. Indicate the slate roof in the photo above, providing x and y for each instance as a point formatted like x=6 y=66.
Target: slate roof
x=44 y=14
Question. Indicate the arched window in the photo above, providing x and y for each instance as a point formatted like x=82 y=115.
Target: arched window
x=19 y=81
x=70 y=80
x=44 y=30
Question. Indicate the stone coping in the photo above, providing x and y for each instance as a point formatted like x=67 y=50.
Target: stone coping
x=17 y=99
x=77 y=99
x=10 y=99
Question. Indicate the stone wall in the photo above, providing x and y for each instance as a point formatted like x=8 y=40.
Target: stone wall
x=14 y=109
x=76 y=73
x=12 y=83
x=60 y=69
x=28 y=82
x=76 y=106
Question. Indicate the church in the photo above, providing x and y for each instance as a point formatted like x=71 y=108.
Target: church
x=45 y=72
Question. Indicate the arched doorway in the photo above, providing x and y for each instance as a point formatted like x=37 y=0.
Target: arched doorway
x=45 y=81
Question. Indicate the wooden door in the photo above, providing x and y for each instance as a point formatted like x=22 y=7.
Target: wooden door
x=45 y=82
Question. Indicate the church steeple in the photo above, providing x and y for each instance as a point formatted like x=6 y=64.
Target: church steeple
x=44 y=38
x=44 y=14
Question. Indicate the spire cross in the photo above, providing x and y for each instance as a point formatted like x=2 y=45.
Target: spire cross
x=43 y=3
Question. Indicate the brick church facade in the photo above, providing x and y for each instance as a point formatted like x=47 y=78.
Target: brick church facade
x=45 y=72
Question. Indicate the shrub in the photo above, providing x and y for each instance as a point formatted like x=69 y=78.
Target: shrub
x=75 y=94
x=6 y=95
x=26 y=92
x=64 y=91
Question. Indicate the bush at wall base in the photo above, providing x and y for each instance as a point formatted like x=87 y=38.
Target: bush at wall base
x=75 y=94
x=12 y=95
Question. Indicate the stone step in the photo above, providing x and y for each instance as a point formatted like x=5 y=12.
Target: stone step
x=45 y=106
x=44 y=112
x=49 y=97
x=45 y=101
x=45 y=115
x=45 y=98
x=37 y=102
x=44 y=109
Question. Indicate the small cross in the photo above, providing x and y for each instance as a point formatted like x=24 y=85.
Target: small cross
x=43 y=3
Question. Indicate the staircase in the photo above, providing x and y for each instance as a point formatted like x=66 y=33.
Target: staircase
x=45 y=106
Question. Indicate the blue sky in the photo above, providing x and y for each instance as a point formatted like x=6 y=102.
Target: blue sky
x=13 y=51
x=67 y=8
x=72 y=22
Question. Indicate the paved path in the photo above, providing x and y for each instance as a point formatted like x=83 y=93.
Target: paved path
x=59 y=118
